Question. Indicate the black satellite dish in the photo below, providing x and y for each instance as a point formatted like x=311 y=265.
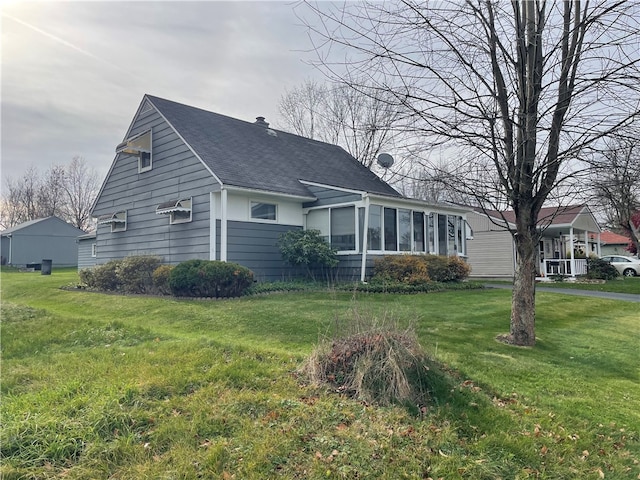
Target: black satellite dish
x=385 y=160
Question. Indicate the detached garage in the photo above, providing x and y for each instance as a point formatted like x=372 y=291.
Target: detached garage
x=29 y=243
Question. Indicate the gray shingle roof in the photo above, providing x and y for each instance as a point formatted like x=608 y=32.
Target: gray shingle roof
x=244 y=154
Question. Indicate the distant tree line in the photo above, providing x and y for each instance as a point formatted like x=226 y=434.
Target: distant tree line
x=66 y=191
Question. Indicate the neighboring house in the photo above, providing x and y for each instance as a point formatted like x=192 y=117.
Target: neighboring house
x=569 y=235
x=48 y=238
x=613 y=244
x=191 y=184
x=86 y=251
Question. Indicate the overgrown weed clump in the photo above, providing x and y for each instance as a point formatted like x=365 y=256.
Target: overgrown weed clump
x=375 y=361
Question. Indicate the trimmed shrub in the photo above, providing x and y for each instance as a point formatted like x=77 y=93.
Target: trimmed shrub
x=601 y=270
x=160 y=279
x=409 y=269
x=209 y=278
x=86 y=276
x=102 y=277
x=456 y=269
x=128 y=275
x=417 y=269
x=135 y=273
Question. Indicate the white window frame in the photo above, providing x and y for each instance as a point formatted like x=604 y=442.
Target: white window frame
x=132 y=146
x=355 y=225
x=253 y=203
x=119 y=223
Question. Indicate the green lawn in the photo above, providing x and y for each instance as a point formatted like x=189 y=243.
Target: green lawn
x=619 y=285
x=105 y=386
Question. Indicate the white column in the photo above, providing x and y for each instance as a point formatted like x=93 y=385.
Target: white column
x=223 y=224
x=212 y=226
x=573 y=260
x=365 y=233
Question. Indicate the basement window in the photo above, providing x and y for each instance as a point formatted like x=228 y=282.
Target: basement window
x=139 y=146
x=117 y=220
x=179 y=211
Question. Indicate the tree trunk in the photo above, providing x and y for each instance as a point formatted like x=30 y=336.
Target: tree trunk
x=523 y=300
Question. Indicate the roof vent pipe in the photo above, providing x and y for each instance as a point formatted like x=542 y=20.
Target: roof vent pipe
x=260 y=121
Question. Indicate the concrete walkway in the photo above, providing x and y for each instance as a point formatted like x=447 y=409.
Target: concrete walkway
x=627 y=297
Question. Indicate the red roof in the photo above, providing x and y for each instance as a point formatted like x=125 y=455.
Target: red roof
x=610 y=238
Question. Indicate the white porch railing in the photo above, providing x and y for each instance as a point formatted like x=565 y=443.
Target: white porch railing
x=562 y=266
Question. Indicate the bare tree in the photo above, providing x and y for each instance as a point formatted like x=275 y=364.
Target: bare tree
x=615 y=180
x=64 y=191
x=520 y=88
x=339 y=114
x=302 y=107
x=20 y=199
x=81 y=187
x=50 y=196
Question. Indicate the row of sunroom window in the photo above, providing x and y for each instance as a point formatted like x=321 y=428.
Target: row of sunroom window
x=390 y=230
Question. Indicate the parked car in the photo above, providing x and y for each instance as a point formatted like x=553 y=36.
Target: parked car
x=627 y=266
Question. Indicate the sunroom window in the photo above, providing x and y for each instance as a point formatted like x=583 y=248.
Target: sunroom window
x=404 y=229
x=319 y=220
x=418 y=231
x=390 y=230
x=179 y=211
x=374 y=242
x=343 y=228
x=139 y=146
x=117 y=220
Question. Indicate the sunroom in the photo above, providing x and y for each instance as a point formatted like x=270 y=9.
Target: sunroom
x=394 y=226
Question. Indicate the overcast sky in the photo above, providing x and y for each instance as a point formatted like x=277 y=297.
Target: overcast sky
x=74 y=73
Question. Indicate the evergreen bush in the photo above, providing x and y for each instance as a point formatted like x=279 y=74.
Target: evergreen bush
x=307 y=248
x=135 y=273
x=601 y=270
x=209 y=278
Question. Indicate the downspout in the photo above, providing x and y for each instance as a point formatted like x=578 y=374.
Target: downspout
x=212 y=226
x=363 y=267
x=223 y=224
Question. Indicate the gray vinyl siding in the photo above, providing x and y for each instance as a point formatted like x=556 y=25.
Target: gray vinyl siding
x=350 y=266
x=50 y=239
x=4 y=250
x=490 y=254
x=176 y=173
x=254 y=245
x=85 y=260
x=329 y=196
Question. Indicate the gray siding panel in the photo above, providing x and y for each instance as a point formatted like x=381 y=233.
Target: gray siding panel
x=85 y=260
x=176 y=173
x=254 y=245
